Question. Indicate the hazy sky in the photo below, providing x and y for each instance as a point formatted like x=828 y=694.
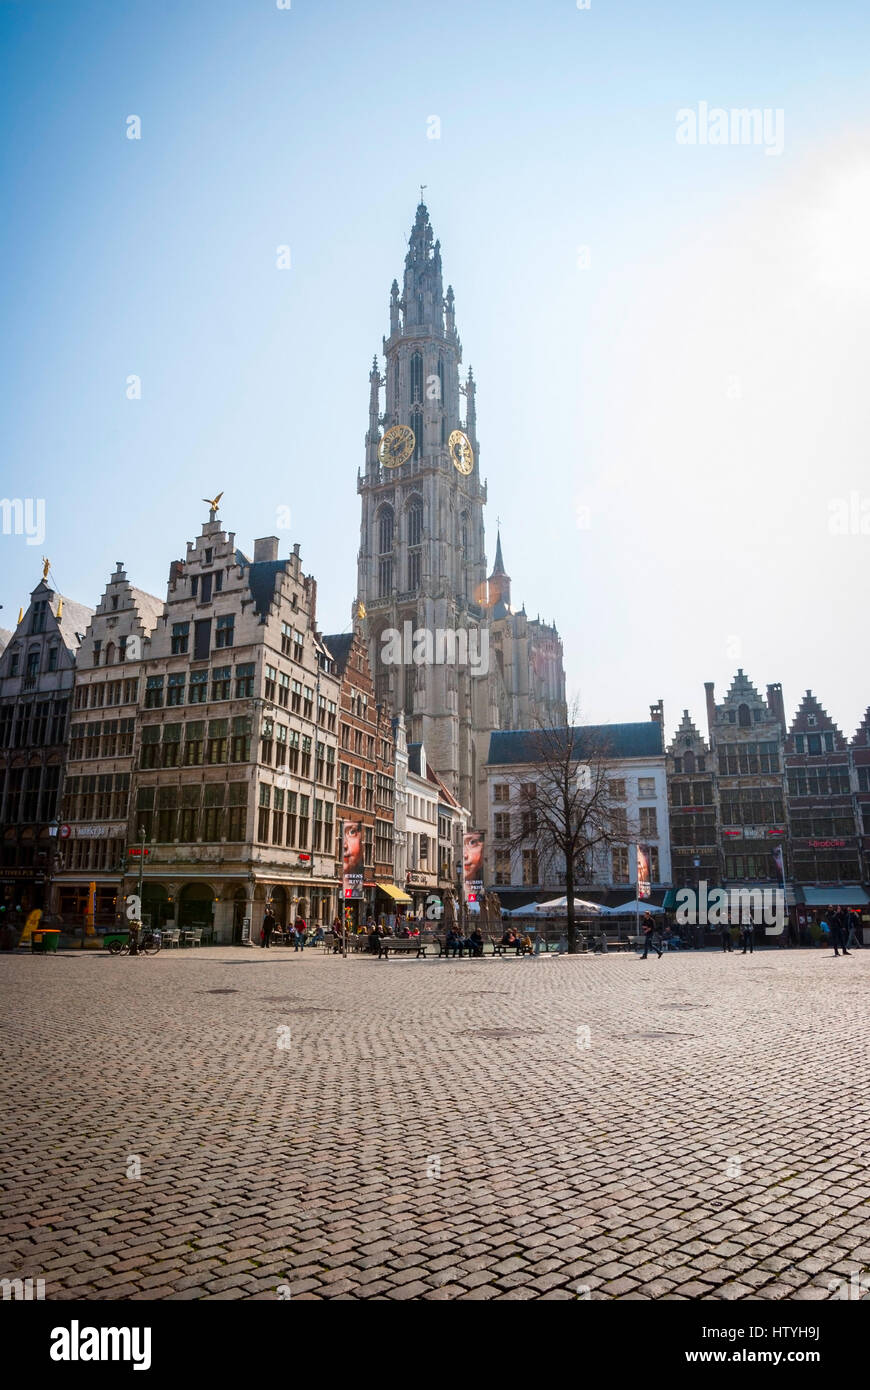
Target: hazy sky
x=671 y=420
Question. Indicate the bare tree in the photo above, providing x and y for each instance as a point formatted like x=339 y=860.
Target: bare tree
x=566 y=815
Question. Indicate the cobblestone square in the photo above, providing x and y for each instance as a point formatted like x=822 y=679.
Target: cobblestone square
x=243 y=1124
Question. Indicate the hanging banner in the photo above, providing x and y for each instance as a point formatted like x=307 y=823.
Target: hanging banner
x=643 y=879
x=472 y=865
x=352 y=859
x=778 y=865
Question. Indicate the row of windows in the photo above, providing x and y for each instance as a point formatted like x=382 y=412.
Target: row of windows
x=29 y=794
x=619 y=866
x=822 y=781
x=180 y=636
x=283 y=819
x=752 y=810
x=96 y=797
x=691 y=793
x=740 y=759
x=104 y=738
x=173 y=687
x=33 y=663
x=33 y=723
x=210 y=812
x=97 y=694
x=814 y=743
x=218 y=741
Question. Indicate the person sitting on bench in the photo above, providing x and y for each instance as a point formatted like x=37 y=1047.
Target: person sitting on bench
x=475 y=942
x=456 y=943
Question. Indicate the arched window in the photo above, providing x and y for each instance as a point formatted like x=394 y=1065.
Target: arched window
x=420 y=307
x=441 y=399
x=110 y=653
x=689 y=762
x=415 y=521
x=463 y=527
x=415 y=540
x=743 y=717
x=386 y=523
x=416 y=420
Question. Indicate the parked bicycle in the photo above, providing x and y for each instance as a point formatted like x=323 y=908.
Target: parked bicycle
x=149 y=944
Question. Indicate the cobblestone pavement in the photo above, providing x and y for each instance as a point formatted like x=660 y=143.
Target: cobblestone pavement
x=318 y=1128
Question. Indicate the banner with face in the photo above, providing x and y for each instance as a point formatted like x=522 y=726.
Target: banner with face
x=472 y=865
x=352 y=858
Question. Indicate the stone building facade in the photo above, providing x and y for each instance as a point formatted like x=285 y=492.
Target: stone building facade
x=37 y=674
x=366 y=779
x=102 y=752
x=692 y=808
x=747 y=735
x=236 y=777
x=633 y=760
x=422 y=560
x=825 y=844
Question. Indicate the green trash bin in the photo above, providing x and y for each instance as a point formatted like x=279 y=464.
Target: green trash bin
x=45 y=939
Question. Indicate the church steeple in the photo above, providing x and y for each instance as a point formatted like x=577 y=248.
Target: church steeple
x=499 y=584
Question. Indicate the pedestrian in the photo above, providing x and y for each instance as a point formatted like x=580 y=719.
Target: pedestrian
x=727 y=943
x=301 y=929
x=649 y=929
x=839 y=930
x=746 y=935
x=135 y=924
x=269 y=925
x=854 y=927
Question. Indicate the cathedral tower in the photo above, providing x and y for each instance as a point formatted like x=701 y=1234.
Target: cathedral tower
x=422 y=562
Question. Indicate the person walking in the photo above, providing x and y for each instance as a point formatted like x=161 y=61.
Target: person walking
x=268 y=928
x=301 y=929
x=747 y=931
x=727 y=943
x=839 y=930
x=854 y=926
x=649 y=929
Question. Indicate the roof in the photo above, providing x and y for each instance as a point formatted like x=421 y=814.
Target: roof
x=73 y=623
x=642 y=740
x=150 y=608
x=262 y=577
x=5 y=638
x=339 y=647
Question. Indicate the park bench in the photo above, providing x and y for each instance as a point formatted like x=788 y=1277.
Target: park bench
x=500 y=949
x=615 y=943
x=402 y=945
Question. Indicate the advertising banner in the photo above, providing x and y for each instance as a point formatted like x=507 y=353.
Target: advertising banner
x=472 y=865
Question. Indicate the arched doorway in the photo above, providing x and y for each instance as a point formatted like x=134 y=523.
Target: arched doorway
x=279 y=905
x=195 y=905
x=240 y=903
x=156 y=908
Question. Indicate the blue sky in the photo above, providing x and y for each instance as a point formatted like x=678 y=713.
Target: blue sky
x=666 y=433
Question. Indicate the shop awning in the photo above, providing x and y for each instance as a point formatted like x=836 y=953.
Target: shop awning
x=393 y=892
x=835 y=897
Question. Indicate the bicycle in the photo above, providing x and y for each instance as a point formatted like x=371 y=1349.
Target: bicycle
x=149 y=944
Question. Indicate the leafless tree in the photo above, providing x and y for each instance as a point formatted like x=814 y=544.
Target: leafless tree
x=566 y=812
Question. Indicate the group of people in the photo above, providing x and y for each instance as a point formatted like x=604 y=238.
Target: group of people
x=299 y=935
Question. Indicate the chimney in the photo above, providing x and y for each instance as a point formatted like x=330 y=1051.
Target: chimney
x=266 y=548
x=657 y=712
x=775 y=704
x=296 y=548
x=711 y=708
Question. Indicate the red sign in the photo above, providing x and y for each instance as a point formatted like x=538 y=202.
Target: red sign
x=826 y=844
x=305 y=857
x=64 y=832
x=138 y=852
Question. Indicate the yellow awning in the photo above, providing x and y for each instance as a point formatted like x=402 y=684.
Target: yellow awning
x=395 y=893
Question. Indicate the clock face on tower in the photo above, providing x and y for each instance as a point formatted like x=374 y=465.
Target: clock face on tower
x=461 y=452
x=396 y=446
